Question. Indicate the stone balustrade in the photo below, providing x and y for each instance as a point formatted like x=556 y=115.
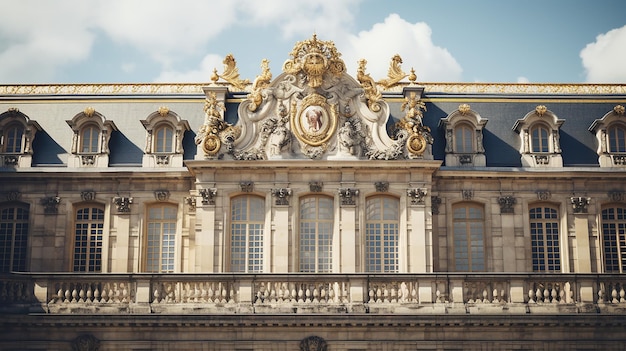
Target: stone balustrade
x=312 y=293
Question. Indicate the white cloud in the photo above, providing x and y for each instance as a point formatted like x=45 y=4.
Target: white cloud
x=36 y=38
x=414 y=44
x=202 y=74
x=523 y=80
x=604 y=59
x=160 y=29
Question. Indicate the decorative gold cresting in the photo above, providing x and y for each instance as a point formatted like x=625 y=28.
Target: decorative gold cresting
x=371 y=92
x=231 y=73
x=419 y=135
x=314 y=58
x=541 y=110
x=261 y=82
x=163 y=111
x=89 y=111
x=619 y=109
x=395 y=73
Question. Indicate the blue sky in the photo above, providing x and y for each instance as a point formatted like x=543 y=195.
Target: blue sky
x=142 y=41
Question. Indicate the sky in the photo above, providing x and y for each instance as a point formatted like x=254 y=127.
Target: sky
x=146 y=41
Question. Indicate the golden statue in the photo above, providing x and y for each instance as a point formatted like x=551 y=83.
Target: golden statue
x=371 y=92
x=231 y=73
x=314 y=58
x=395 y=73
x=260 y=82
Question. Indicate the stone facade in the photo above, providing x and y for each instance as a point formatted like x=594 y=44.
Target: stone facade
x=313 y=211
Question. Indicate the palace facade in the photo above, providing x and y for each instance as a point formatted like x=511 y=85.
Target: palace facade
x=315 y=210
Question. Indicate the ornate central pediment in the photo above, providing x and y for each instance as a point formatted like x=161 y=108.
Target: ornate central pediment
x=313 y=110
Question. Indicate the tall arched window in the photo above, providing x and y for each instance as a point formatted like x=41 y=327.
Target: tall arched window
x=381 y=234
x=316 y=234
x=88 y=232
x=469 y=237
x=163 y=140
x=13 y=139
x=161 y=239
x=89 y=139
x=13 y=237
x=539 y=141
x=617 y=138
x=464 y=139
x=614 y=239
x=247 y=221
x=544 y=236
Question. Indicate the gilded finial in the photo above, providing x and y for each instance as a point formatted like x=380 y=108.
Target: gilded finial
x=163 y=111
x=540 y=110
x=89 y=111
x=464 y=108
x=619 y=109
x=412 y=76
x=313 y=58
x=215 y=77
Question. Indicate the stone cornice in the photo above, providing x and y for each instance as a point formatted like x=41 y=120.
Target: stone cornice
x=147 y=89
x=313 y=321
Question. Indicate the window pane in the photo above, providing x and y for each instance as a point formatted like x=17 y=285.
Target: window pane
x=247 y=224
x=381 y=234
x=539 y=139
x=164 y=137
x=544 y=239
x=316 y=234
x=161 y=239
x=617 y=139
x=13 y=238
x=614 y=239
x=468 y=232
x=89 y=140
x=88 y=231
x=13 y=141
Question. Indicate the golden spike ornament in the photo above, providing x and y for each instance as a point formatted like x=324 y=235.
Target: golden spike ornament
x=370 y=90
x=395 y=73
x=231 y=73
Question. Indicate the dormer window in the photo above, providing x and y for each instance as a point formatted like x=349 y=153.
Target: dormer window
x=164 y=139
x=610 y=131
x=464 y=138
x=90 y=144
x=539 y=138
x=16 y=139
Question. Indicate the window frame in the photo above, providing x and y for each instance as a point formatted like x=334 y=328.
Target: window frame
x=248 y=249
x=540 y=145
x=618 y=243
x=542 y=264
x=12 y=251
x=386 y=246
x=173 y=240
x=467 y=236
x=620 y=144
x=163 y=142
x=325 y=223
x=18 y=140
x=89 y=240
x=465 y=141
x=94 y=137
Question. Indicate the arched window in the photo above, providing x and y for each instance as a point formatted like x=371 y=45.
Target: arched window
x=544 y=237
x=316 y=234
x=464 y=139
x=88 y=232
x=13 y=237
x=13 y=139
x=381 y=234
x=539 y=141
x=614 y=239
x=89 y=139
x=469 y=234
x=161 y=239
x=247 y=221
x=163 y=140
x=617 y=138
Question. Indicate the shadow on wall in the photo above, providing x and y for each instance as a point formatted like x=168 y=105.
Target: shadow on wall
x=189 y=145
x=575 y=153
x=123 y=151
x=46 y=151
